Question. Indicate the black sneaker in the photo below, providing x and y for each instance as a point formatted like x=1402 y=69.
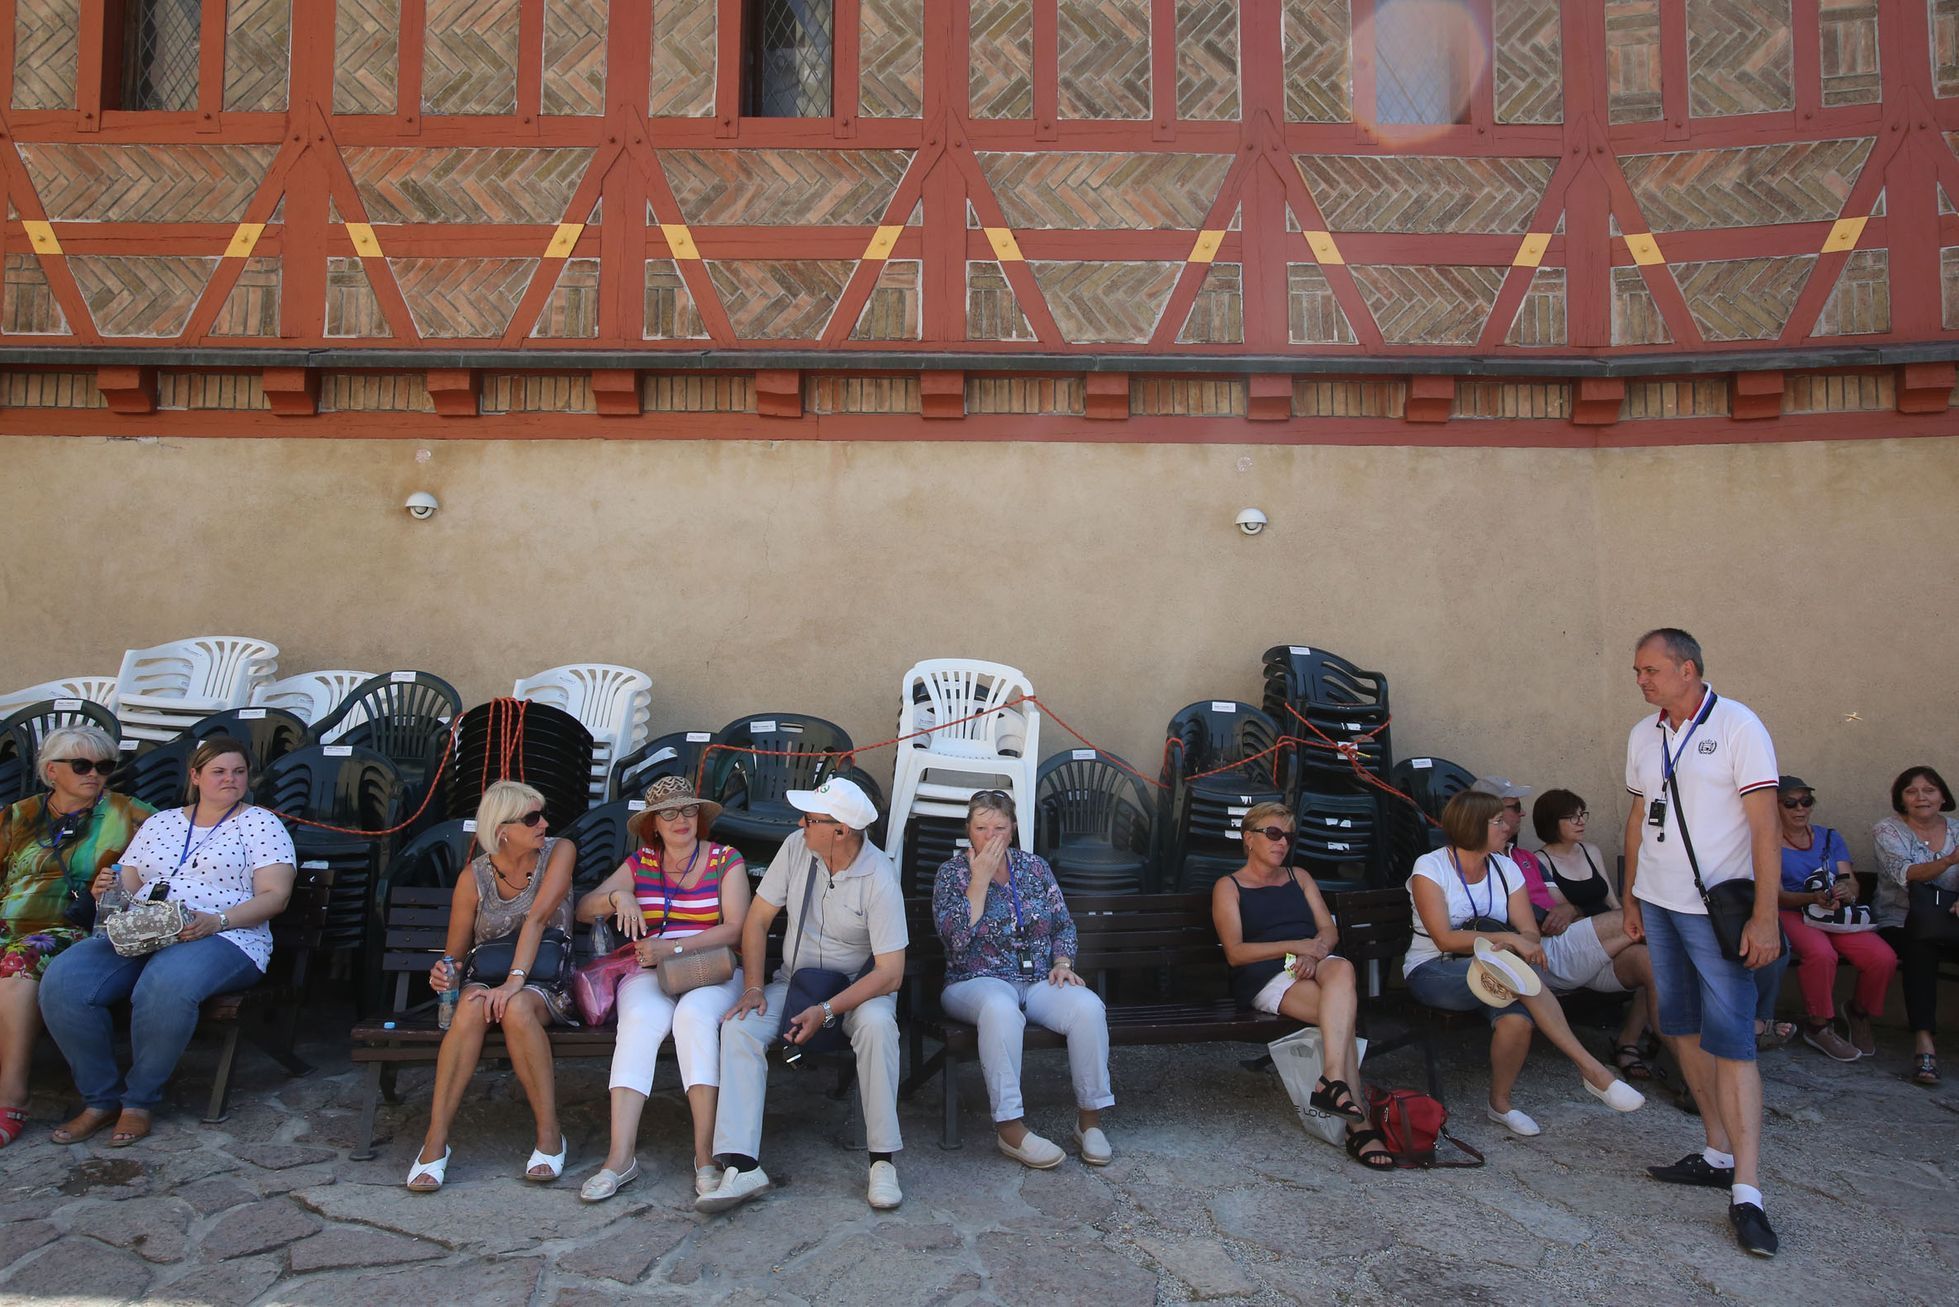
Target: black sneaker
x=1752 y=1231
x=1695 y=1169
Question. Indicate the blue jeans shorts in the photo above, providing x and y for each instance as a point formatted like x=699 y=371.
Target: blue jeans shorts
x=1700 y=992
x=1444 y=983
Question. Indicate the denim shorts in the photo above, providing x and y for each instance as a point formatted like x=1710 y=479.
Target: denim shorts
x=1700 y=992
x=1444 y=983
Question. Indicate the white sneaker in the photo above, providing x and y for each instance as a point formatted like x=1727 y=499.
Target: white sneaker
x=706 y=1180
x=1094 y=1144
x=608 y=1182
x=1619 y=1096
x=1032 y=1150
x=736 y=1187
x=883 y=1193
x=1514 y=1121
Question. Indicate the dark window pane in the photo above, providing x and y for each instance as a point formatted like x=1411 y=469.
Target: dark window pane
x=789 y=58
x=1419 y=69
x=159 y=54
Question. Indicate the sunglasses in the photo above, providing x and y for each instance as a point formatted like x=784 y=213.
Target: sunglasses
x=1513 y=807
x=990 y=794
x=674 y=814
x=1809 y=802
x=85 y=766
x=811 y=819
x=531 y=818
x=1277 y=834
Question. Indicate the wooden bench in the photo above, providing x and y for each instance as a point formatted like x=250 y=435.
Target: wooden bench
x=275 y=1001
x=1132 y=948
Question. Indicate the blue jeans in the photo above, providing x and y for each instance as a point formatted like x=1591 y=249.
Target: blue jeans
x=1768 y=983
x=165 y=991
x=1444 y=983
x=1700 y=992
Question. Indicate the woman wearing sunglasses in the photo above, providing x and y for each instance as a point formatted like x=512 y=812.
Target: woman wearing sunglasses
x=520 y=885
x=680 y=893
x=229 y=865
x=55 y=853
x=1465 y=891
x=1816 y=873
x=1269 y=911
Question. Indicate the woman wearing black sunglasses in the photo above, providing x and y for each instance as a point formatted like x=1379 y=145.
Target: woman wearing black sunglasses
x=1278 y=937
x=55 y=852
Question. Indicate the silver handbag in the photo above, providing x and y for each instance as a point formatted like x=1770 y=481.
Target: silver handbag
x=147 y=925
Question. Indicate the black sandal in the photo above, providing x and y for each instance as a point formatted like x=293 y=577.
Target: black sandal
x=1631 y=1062
x=1380 y=1160
x=1926 y=1069
x=1333 y=1096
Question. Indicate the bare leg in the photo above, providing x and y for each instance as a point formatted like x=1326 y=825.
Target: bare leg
x=1699 y=1070
x=455 y=1063
x=1328 y=1001
x=530 y=1057
x=1509 y=1046
x=701 y=1100
x=1739 y=1087
x=1634 y=970
x=20 y=1022
x=1544 y=1010
x=627 y=1104
x=1611 y=928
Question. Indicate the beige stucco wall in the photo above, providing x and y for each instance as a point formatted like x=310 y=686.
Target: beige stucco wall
x=1499 y=589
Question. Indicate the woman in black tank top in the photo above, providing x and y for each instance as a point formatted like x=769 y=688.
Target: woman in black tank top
x=1269 y=910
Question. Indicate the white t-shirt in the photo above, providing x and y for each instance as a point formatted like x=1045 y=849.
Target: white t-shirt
x=1489 y=897
x=1728 y=755
x=216 y=875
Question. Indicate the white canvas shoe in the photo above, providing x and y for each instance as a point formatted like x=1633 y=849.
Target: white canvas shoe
x=736 y=1187
x=1032 y=1151
x=1514 y=1121
x=883 y=1193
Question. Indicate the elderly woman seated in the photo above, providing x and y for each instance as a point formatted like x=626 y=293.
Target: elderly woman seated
x=1467 y=892
x=55 y=853
x=506 y=901
x=229 y=865
x=1918 y=898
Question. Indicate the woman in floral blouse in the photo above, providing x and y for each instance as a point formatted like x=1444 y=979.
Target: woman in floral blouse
x=1010 y=953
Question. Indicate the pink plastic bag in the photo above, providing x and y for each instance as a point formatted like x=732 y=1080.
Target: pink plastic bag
x=595 y=986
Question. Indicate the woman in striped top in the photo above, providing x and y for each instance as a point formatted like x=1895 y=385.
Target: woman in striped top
x=681 y=892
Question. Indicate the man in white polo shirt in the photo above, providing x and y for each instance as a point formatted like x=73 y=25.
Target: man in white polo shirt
x=1707 y=762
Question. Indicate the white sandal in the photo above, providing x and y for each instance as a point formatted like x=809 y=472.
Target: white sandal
x=435 y=1171
x=556 y=1163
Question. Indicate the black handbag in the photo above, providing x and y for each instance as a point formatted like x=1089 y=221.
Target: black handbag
x=1731 y=904
x=1930 y=917
x=490 y=962
x=812 y=986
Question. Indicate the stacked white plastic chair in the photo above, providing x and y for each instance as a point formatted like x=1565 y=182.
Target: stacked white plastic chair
x=312 y=697
x=95 y=689
x=998 y=748
x=614 y=703
x=162 y=691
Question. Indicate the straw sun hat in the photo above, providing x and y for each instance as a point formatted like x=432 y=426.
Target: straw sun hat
x=1499 y=977
x=669 y=794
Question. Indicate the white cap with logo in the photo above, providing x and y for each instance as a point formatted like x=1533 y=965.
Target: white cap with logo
x=837 y=797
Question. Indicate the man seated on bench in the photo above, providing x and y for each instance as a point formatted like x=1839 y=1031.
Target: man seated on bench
x=846 y=922
x=1466 y=892
x=1010 y=952
x=1278 y=938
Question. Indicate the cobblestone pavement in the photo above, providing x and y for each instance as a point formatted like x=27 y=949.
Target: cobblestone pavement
x=1215 y=1195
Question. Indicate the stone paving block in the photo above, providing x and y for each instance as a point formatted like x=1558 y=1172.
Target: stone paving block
x=1051 y=1271
x=626 y=1250
x=216 y=1194
x=473 y=1214
x=1276 y=1222
x=78 y=1271
x=231 y=1285
x=260 y=1227
x=1203 y=1265
x=341 y=1247
x=20 y=1237
x=500 y=1280
x=280 y=1157
x=156 y=1229
x=835 y=1275
x=1068 y=1193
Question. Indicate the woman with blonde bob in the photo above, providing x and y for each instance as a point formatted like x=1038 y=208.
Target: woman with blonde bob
x=1279 y=937
x=55 y=853
x=1466 y=892
x=680 y=894
x=520 y=885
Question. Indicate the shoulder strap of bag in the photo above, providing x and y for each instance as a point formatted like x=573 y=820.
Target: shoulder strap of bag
x=1686 y=840
x=802 y=921
x=1476 y=1157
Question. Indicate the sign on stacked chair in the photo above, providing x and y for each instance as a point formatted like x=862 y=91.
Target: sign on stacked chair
x=1431 y=783
x=23 y=730
x=95 y=689
x=1202 y=816
x=553 y=757
x=980 y=738
x=1345 y=702
x=675 y=754
x=160 y=691
x=1093 y=822
x=791 y=752
x=342 y=785
x=270 y=733
x=1341 y=840
x=614 y=703
x=313 y=697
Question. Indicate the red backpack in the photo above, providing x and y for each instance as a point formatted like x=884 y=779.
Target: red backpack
x=1410 y=1123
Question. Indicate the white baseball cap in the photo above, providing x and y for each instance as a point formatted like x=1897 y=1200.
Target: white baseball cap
x=837 y=797
x=1501 y=786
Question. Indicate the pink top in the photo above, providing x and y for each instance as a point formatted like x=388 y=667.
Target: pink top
x=1540 y=894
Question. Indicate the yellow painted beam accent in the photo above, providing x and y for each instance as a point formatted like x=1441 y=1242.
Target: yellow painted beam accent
x=883 y=241
x=1206 y=248
x=365 y=243
x=1324 y=250
x=1005 y=247
x=679 y=240
x=1531 y=252
x=1844 y=234
x=564 y=240
x=41 y=236
x=1644 y=249
x=244 y=240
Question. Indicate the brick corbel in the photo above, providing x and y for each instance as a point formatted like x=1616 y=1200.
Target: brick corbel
x=1271 y=398
x=291 y=392
x=1926 y=387
x=942 y=394
x=1430 y=399
x=128 y=389
x=615 y=392
x=1106 y=396
x=1597 y=401
x=454 y=392
x=779 y=393
x=1754 y=395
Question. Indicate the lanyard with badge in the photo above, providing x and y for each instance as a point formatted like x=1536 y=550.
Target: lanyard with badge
x=1023 y=956
x=1656 y=811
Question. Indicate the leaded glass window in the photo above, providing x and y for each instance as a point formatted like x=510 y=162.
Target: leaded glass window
x=159 y=54
x=789 y=44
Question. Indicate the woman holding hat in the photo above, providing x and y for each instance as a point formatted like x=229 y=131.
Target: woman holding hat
x=1816 y=873
x=55 y=852
x=681 y=893
x=1476 y=946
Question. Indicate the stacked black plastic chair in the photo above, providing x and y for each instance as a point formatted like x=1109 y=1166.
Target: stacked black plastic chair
x=677 y=754
x=348 y=786
x=546 y=748
x=432 y=860
x=406 y=717
x=603 y=843
x=1342 y=839
x=792 y=753
x=158 y=776
x=930 y=840
x=1431 y=783
x=1093 y=823
x=270 y=733
x=1201 y=816
x=1343 y=701
x=22 y=731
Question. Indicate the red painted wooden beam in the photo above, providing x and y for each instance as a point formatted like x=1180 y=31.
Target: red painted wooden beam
x=1596 y=401
x=616 y=392
x=1271 y=398
x=1754 y=395
x=1106 y=396
x=1430 y=399
x=128 y=389
x=291 y=392
x=454 y=391
x=1926 y=387
x=779 y=393
x=942 y=394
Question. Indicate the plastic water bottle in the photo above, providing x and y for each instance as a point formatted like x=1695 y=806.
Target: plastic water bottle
x=445 y=1002
x=113 y=899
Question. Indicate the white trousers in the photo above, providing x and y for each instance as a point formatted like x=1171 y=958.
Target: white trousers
x=647 y=1015
x=1074 y=1012
x=872 y=1029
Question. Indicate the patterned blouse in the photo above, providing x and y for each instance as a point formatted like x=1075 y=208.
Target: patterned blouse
x=38 y=871
x=986 y=947
x=1898 y=847
x=673 y=913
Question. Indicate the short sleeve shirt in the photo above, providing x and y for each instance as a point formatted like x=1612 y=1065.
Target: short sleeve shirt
x=1724 y=757
x=1826 y=849
x=1489 y=897
x=210 y=870
x=858 y=912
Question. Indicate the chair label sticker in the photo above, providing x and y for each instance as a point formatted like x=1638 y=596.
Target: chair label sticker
x=1421 y=764
x=127 y=746
x=699 y=737
x=469 y=826
x=67 y=705
x=1301 y=650
x=251 y=714
x=1083 y=755
x=401 y=678
x=1223 y=705
x=762 y=728
x=338 y=750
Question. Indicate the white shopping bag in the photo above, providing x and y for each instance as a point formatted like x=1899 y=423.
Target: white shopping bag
x=1301 y=1061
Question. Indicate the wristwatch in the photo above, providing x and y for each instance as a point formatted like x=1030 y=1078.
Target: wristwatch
x=678 y=950
x=829 y=1017
x=224 y=921
x=519 y=973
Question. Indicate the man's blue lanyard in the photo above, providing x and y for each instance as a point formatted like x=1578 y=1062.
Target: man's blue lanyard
x=1670 y=761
